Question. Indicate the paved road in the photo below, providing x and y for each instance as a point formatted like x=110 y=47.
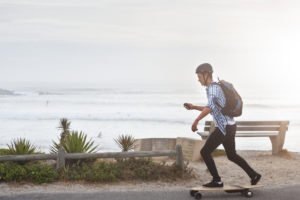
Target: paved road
x=290 y=193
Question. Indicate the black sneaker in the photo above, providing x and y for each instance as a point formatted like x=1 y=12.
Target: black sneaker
x=255 y=179
x=214 y=184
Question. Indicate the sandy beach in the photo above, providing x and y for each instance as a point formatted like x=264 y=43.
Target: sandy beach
x=276 y=171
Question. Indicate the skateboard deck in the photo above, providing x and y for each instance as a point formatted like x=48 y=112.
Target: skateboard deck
x=245 y=190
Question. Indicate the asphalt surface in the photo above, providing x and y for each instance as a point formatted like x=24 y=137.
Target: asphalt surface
x=284 y=193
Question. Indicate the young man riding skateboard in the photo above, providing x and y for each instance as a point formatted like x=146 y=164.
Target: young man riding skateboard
x=224 y=132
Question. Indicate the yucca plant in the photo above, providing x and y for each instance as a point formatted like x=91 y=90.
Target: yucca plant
x=21 y=146
x=125 y=142
x=64 y=126
x=77 y=142
x=73 y=142
x=55 y=147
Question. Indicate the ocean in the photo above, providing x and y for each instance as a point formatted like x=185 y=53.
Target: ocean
x=104 y=113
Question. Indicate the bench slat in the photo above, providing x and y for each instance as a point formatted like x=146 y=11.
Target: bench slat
x=247 y=134
x=251 y=128
x=256 y=134
x=256 y=123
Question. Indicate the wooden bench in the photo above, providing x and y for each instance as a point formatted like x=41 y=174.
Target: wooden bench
x=275 y=130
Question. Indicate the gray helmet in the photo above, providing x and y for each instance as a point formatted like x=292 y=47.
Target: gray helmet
x=205 y=67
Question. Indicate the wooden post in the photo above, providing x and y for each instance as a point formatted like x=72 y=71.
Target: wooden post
x=61 y=158
x=179 y=156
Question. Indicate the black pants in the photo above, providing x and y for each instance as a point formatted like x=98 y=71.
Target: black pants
x=213 y=141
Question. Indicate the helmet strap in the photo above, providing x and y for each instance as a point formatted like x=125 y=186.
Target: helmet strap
x=205 y=76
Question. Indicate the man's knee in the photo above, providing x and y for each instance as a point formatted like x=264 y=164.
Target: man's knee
x=232 y=156
x=203 y=152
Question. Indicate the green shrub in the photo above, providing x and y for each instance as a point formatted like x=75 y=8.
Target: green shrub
x=12 y=172
x=4 y=152
x=133 y=168
x=146 y=169
x=97 y=172
x=35 y=173
x=41 y=173
x=75 y=172
x=103 y=172
x=125 y=169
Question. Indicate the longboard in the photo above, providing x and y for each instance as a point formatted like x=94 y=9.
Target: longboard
x=243 y=189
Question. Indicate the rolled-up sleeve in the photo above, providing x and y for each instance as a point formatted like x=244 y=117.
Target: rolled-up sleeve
x=210 y=102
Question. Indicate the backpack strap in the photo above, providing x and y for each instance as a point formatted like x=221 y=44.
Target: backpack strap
x=214 y=100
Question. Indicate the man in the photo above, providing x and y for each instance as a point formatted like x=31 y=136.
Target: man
x=224 y=132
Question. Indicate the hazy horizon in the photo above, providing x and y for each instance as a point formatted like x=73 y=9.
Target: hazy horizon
x=115 y=42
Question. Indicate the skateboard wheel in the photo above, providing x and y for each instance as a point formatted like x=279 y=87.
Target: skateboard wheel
x=193 y=192
x=198 y=195
x=248 y=193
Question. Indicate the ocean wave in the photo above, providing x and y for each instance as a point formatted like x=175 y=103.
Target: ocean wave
x=254 y=105
x=107 y=119
x=105 y=91
x=272 y=105
x=173 y=121
x=6 y=92
x=41 y=93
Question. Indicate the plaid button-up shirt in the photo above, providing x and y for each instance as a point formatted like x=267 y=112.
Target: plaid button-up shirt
x=216 y=99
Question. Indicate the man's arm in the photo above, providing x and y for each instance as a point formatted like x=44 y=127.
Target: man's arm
x=190 y=106
x=205 y=111
x=200 y=108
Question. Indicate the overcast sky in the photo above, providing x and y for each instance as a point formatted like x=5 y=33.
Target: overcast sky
x=149 y=41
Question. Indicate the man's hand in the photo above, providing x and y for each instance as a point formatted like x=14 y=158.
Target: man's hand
x=188 y=106
x=194 y=126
